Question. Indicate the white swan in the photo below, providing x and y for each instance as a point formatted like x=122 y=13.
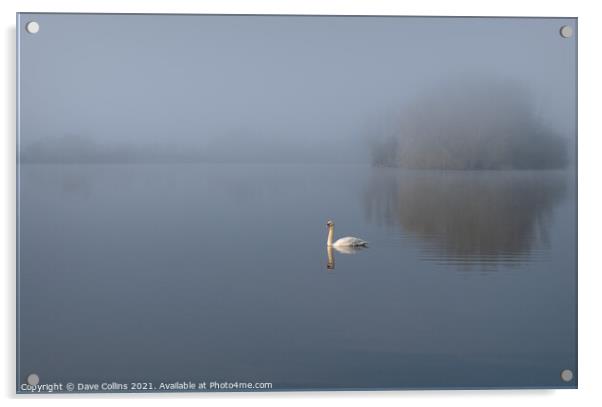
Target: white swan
x=344 y=241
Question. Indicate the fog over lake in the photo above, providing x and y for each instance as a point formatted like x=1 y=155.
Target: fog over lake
x=278 y=89
x=176 y=174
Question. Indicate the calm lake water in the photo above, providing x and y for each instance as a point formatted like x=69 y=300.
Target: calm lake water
x=220 y=272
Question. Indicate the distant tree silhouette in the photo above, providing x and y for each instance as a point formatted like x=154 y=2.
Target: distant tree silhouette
x=470 y=125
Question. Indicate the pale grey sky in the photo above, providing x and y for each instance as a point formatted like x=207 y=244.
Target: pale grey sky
x=298 y=87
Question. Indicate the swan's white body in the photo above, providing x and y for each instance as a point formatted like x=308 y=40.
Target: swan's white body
x=347 y=249
x=348 y=241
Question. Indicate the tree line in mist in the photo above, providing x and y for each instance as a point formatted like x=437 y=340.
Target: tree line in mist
x=470 y=125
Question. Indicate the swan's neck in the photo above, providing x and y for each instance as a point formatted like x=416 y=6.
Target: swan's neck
x=330 y=235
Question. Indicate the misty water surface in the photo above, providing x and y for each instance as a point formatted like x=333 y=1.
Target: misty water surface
x=219 y=272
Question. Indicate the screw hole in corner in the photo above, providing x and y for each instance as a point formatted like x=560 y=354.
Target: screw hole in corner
x=33 y=379
x=32 y=27
x=566 y=31
x=566 y=375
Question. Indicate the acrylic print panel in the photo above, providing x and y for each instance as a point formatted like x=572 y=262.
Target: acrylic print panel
x=187 y=186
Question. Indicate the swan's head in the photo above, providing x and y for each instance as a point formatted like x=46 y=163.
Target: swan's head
x=330 y=223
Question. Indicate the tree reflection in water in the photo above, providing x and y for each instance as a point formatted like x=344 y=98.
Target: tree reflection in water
x=468 y=216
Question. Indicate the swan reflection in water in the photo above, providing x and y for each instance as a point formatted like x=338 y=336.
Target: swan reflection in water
x=343 y=250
